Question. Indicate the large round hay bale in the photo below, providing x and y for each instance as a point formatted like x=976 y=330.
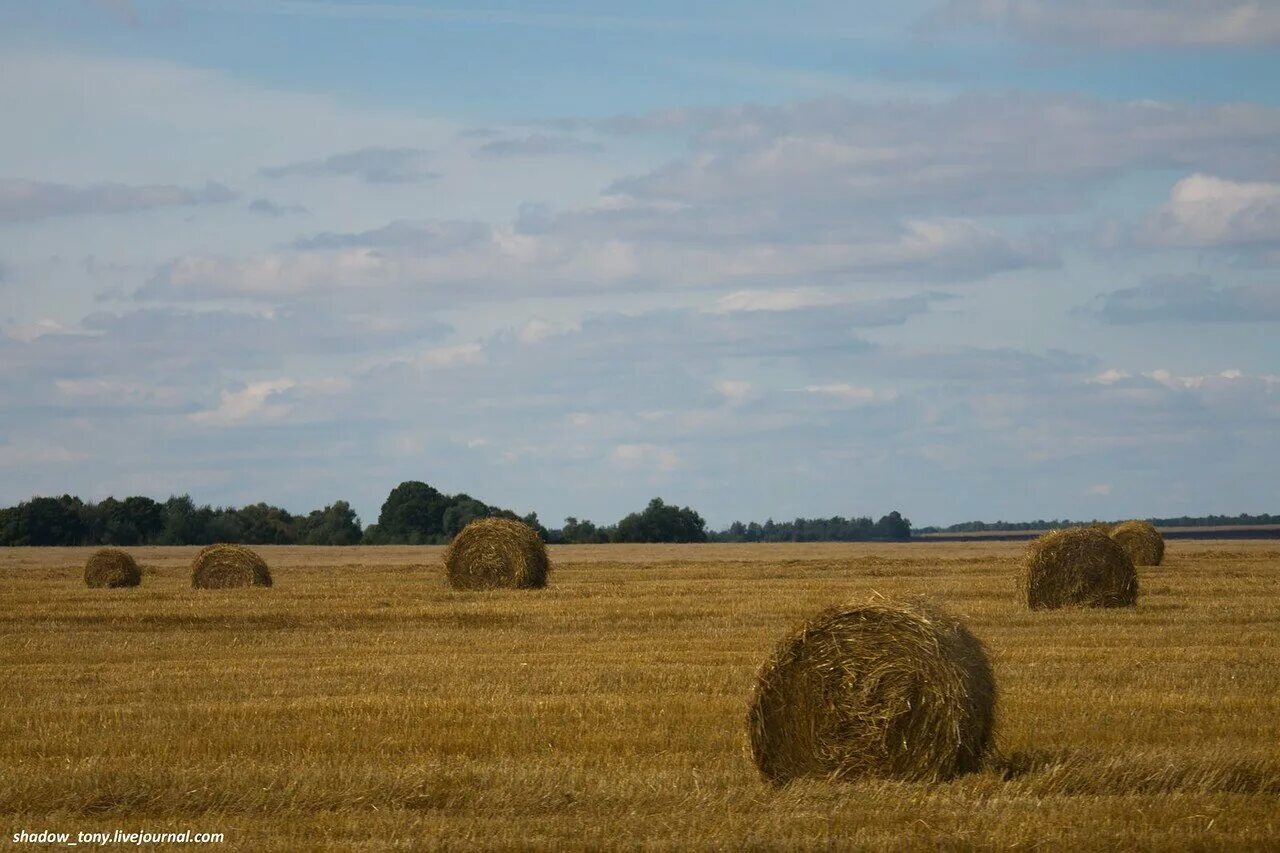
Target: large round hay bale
x=1141 y=541
x=497 y=552
x=220 y=566
x=1079 y=566
x=898 y=690
x=109 y=568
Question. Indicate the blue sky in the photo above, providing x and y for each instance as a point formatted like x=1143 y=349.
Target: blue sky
x=962 y=258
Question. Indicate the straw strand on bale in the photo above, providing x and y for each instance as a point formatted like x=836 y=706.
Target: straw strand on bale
x=899 y=690
x=222 y=565
x=109 y=568
x=497 y=552
x=1079 y=566
x=1141 y=540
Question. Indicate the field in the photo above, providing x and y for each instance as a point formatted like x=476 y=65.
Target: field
x=362 y=704
x=1225 y=531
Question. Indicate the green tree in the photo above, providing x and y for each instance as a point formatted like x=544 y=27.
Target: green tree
x=413 y=514
x=582 y=532
x=263 y=524
x=462 y=510
x=47 y=521
x=661 y=522
x=336 y=524
x=183 y=523
x=894 y=527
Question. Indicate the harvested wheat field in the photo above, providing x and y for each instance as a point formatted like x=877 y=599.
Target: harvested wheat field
x=363 y=704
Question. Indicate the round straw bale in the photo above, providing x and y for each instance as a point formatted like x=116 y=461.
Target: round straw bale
x=1078 y=566
x=1101 y=526
x=885 y=689
x=497 y=552
x=108 y=568
x=222 y=565
x=1141 y=540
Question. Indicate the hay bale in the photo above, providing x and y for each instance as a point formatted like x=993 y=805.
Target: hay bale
x=1101 y=526
x=497 y=552
x=1141 y=541
x=222 y=565
x=109 y=568
x=898 y=690
x=1078 y=566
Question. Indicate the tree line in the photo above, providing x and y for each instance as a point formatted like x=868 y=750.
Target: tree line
x=889 y=528
x=1242 y=520
x=414 y=513
x=67 y=520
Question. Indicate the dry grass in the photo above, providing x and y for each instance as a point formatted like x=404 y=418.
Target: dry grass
x=490 y=553
x=881 y=688
x=364 y=704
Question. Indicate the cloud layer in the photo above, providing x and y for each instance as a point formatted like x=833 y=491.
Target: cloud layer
x=24 y=201
x=994 y=296
x=1125 y=23
x=375 y=165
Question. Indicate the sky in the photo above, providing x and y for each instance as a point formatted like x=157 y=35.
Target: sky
x=966 y=259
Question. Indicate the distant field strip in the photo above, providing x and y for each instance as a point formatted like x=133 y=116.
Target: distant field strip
x=1234 y=531
x=361 y=703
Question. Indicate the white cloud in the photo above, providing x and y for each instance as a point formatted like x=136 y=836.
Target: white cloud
x=810 y=164
x=438 y=358
x=507 y=262
x=36 y=453
x=538 y=330
x=734 y=391
x=1100 y=489
x=115 y=392
x=784 y=299
x=28 y=332
x=1169 y=380
x=847 y=392
x=270 y=275
x=1110 y=376
x=650 y=456
x=254 y=402
x=1204 y=211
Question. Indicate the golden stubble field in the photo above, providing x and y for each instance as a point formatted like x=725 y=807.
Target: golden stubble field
x=362 y=704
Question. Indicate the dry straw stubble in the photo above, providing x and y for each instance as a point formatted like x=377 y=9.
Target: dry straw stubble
x=884 y=689
x=497 y=552
x=1141 y=540
x=108 y=568
x=1079 y=566
x=220 y=566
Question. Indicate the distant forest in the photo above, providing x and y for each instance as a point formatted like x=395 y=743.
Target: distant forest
x=414 y=513
x=1244 y=519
